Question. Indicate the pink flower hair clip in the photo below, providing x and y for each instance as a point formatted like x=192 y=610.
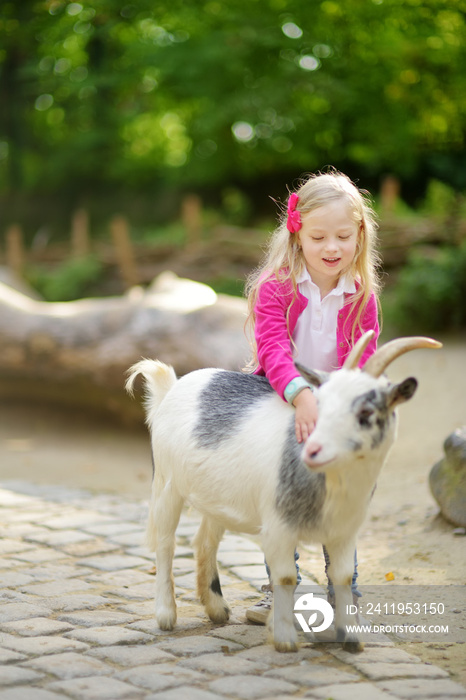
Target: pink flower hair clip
x=293 y=222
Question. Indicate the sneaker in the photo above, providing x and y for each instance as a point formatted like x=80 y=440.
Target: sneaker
x=259 y=612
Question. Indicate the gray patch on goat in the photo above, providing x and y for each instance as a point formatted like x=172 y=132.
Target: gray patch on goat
x=301 y=492
x=374 y=403
x=224 y=403
x=382 y=425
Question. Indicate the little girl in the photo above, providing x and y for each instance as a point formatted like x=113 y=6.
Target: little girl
x=312 y=299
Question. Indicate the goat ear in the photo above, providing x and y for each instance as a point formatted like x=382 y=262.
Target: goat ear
x=313 y=376
x=399 y=393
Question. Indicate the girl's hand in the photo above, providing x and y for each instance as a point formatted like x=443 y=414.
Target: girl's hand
x=306 y=414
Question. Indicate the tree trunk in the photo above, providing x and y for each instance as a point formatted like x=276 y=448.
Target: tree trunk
x=78 y=352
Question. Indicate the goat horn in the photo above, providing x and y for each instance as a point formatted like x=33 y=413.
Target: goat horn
x=352 y=361
x=376 y=364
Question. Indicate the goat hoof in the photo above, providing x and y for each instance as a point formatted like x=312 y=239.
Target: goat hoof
x=284 y=643
x=286 y=647
x=220 y=616
x=218 y=611
x=353 y=646
x=166 y=621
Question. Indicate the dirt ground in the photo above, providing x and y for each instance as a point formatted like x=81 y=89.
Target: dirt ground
x=403 y=536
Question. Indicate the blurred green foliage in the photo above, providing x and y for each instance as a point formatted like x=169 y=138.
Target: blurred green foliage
x=440 y=199
x=73 y=279
x=173 y=235
x=227 y=285
x=430 y=292
x=119 y=95
x=127 y=104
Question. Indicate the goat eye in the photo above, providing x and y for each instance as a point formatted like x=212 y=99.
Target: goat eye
x=364 y=417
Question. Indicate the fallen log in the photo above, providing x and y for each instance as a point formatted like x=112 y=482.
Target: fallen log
x=78 y=352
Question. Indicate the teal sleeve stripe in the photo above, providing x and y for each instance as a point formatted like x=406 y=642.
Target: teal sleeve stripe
x=294 y=387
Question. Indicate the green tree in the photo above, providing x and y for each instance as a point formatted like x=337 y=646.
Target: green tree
x=104 y=94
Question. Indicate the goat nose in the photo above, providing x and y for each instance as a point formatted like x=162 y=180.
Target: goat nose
x=313 y=449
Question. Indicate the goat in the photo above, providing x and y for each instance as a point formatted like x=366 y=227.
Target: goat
x=224 y=442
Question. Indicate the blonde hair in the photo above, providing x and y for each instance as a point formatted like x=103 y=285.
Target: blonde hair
x=284 y=259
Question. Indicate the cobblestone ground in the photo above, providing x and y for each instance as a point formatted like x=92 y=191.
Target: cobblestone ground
x=76 y=617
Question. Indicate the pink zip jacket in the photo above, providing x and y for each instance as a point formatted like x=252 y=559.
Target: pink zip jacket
x=274 y=348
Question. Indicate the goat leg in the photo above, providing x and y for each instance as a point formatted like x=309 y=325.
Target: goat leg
x=340 y=572
x=208 y=582
x=164 y=515
x=279 y=554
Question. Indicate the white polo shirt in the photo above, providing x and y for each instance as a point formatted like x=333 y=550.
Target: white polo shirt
x=315 y=335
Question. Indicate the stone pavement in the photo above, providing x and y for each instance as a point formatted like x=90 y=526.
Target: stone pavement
x=76 y=617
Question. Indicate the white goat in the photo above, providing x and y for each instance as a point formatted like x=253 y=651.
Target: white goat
x=224 y=442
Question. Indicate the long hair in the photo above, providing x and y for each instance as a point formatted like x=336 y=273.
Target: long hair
x=284 y=259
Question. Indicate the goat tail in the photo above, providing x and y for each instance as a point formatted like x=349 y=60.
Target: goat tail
x=159 y=378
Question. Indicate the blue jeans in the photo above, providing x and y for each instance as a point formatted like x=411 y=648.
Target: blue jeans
x=354 y=583
x=330 y=589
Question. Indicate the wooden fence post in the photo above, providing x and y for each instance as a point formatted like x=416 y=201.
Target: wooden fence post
x=124 y=251
x=15 y=256
x=389 y=193
x=191 y=216
x=80 y=244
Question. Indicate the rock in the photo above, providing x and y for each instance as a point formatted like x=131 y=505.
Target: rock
x=447 y=479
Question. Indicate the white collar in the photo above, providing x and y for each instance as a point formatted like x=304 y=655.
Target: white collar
x=345 y=283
